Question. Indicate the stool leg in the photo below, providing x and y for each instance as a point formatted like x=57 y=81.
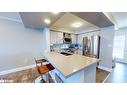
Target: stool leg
x=42 y=79
x=47 y=77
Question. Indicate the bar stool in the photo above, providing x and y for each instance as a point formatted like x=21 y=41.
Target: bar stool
x=49 y=66
x=43 y=69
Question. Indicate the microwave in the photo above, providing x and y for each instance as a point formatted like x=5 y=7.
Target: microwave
x=67 y=38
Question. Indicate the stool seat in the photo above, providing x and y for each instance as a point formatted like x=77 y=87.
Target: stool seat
x=50 y=67
x=42 y=69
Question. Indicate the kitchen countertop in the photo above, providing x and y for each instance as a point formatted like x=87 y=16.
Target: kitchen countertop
x=71 y=64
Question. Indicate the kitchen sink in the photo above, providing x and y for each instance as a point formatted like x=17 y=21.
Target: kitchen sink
x=66 y=54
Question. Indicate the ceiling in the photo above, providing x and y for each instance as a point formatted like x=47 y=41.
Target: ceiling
x=96 y=18
x=91 y=20
x=62 y=21
x=65 y=24
x=35 y=19
x=120 y=19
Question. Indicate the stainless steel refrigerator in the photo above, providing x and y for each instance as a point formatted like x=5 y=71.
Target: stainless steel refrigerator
x=91 y=46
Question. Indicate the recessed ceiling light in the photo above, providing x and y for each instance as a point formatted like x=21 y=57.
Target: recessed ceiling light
x=47 y=21
x=55 y=13
x=76 y=24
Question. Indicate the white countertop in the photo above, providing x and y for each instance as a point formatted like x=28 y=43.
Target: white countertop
x=68 y=65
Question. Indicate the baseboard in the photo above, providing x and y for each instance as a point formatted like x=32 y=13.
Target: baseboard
x=121 y=62
x=16 y=69
x=105 y=68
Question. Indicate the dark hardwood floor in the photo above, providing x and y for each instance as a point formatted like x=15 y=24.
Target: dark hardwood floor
x=119 y=74
x=101 y=75
x=29 y=75
x=24 y=76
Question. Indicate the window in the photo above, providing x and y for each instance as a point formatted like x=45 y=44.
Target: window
x=119 y=44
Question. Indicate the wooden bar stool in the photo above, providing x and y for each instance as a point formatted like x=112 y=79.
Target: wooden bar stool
x=43 y=69
x=50 y=67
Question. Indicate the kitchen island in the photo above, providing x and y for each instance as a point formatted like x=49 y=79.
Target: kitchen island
x=73 y=68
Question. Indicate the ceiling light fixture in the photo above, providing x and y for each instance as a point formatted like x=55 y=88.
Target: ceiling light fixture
x=47 y=21
x=55 y=13
x=76 y=24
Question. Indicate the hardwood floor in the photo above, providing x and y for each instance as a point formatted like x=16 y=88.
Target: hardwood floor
x=25 y=76
x=101 y=75
x=29 y=75
x=119 y=74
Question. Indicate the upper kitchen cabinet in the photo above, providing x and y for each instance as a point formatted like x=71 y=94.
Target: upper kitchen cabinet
x=56 y=37
x=53 y=35
x=74 y=38
x=60 y=37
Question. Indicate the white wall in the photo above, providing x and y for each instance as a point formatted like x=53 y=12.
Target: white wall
x=46 y=38
x=106 y=48
x=19 y=45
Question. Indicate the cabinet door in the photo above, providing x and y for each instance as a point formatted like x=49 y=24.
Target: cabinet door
x=60 y=37
x=73 y=36
x=80 y=39
x=56 y=37
x=53 y=37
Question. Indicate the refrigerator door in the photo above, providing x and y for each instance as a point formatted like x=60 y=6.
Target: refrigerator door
x=91 y=46
x=95 y=46
x=86 y=46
